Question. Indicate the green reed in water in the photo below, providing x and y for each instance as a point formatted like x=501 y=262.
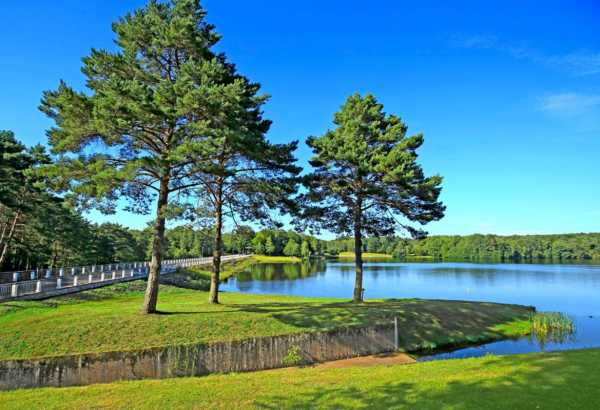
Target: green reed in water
x=554 y=327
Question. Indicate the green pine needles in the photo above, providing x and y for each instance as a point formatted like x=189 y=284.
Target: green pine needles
x=367 y=180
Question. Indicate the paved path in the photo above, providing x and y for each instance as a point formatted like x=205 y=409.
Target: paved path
x=366 y=361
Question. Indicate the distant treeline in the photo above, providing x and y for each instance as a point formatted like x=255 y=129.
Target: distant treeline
x=80 y=242
x=560 y=247
x=68 y=239
x=40 y=229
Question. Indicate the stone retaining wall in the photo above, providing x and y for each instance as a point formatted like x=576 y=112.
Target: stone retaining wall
x=194 y=360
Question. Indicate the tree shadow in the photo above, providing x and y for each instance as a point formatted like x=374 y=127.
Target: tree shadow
x=423 y=324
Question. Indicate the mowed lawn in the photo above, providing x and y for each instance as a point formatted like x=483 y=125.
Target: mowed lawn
x=108 y=319
x=365 y=255
x=567 y=380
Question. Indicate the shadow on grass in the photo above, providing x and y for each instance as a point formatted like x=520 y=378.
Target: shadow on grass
x=548 y=381
x=424 y=324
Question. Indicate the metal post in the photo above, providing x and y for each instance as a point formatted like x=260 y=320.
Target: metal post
x=38 y=287
x=61 y=273
x=14 y=290
x=58 y=283
x=75 y=280
x=114 y=275
x=90 y=278
x=102 y=277
x=396 y=333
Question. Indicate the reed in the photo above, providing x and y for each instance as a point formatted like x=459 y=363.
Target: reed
x=553 y=327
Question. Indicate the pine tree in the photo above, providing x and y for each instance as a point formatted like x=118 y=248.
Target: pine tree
x=291 y=248
x=151 y=111
x=245 y=177
x=305 y=249
x=259 y=247
x=269 y=246
x=366 y=177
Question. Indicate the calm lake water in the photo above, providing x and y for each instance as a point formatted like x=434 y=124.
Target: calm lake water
x=573 y=289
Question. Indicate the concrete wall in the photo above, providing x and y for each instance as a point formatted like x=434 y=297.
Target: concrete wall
x=194 y=360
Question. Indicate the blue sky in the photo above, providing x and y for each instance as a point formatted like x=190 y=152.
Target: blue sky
x=507 y=94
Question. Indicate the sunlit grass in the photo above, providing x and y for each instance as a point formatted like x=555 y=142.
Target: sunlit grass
x=108 y=319
x=365 y=255
x=275 y=259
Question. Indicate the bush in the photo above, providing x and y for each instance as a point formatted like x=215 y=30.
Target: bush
x=293 y=357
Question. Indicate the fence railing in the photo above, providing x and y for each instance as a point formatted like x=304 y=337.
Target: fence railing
x=53 y=280
x=47 y=273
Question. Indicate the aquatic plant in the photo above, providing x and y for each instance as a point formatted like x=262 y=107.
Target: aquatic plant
x=553 y=327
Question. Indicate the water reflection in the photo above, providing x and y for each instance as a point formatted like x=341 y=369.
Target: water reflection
x=283 y=271
x=569 y=288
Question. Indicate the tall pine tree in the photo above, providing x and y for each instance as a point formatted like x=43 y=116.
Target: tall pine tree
x=366 y=179
x=142 y=126
x=246 y=178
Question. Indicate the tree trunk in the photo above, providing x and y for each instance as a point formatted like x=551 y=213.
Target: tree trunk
x=358 y=282
x=157 y=249
x=215 y=277
x=9 y=238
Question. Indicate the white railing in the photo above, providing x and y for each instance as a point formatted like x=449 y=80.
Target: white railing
x=74 y=278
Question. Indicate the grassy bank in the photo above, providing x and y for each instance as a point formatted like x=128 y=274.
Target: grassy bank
x=275 y=259
x=566 y=380
x=198 y=277
x=365 y=255
x=108 y=319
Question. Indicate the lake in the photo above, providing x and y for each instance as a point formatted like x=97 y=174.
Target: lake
x=573 y=289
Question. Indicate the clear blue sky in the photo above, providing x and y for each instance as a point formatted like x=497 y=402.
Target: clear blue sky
x=507 y=95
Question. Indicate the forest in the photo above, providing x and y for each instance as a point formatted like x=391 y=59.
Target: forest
x=478 y=247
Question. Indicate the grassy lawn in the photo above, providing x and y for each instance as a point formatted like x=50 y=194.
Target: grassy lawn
x=365 y=255
x=198 y=277
x=107 y=319
x=566 y=380
x=276 y=259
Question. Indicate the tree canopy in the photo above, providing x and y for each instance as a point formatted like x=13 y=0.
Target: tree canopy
x=366 y=178
x=243 y=176
x=152 y=112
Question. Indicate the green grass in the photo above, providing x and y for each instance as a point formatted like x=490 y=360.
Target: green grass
x=275 y=259
x=108 y=319
x=565 y=380
x=365 y=255
x=228 y=269
x=198 y=277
